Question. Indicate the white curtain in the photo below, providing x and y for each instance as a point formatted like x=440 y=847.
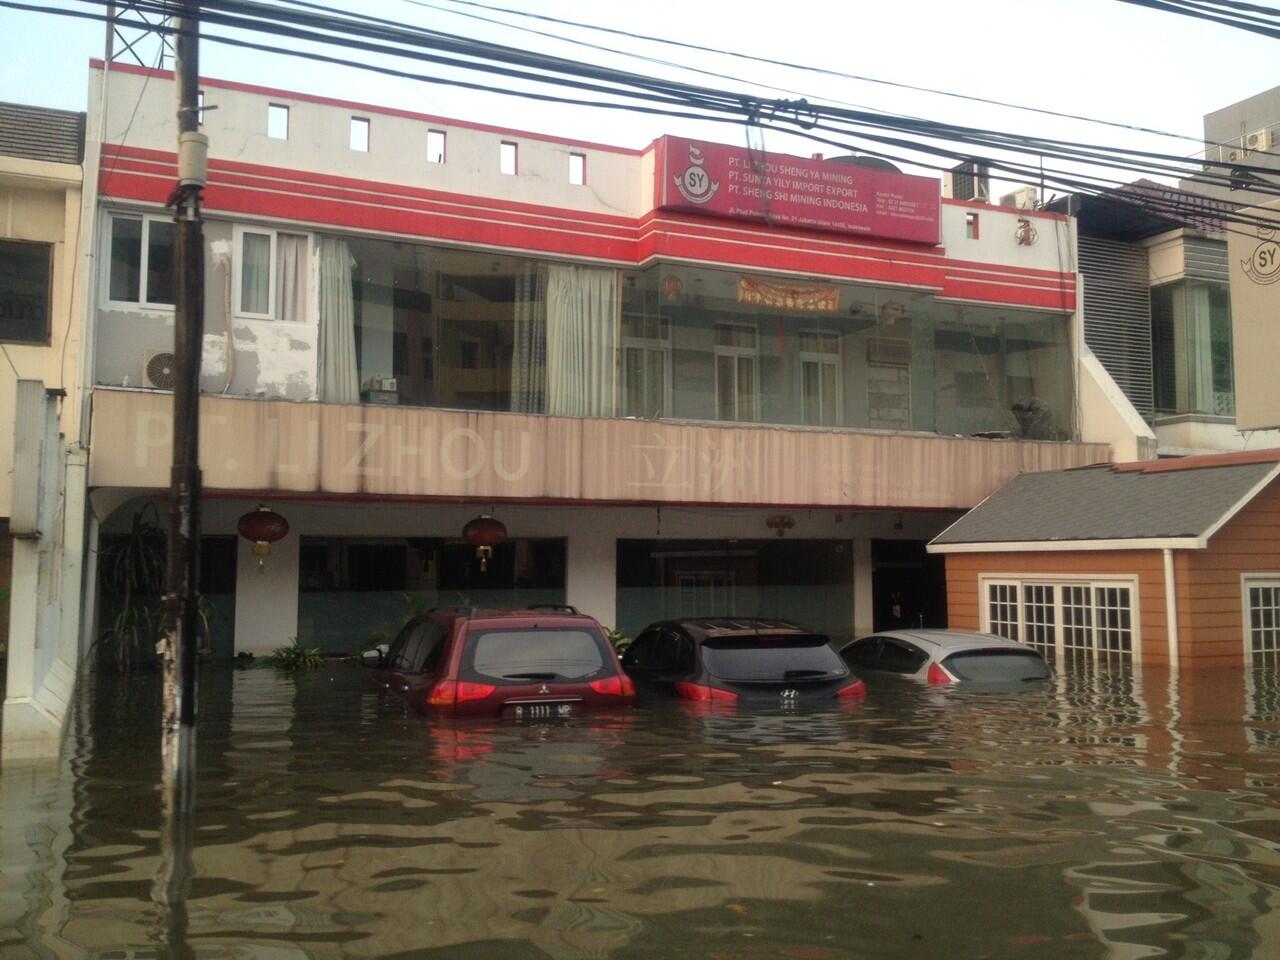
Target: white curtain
x=529 y=352
x=291 y=277
x=339 y=376
x=582 y=307
x=255 y=272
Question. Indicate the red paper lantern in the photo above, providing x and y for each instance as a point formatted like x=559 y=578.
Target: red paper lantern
x=484 y=533
x=264 y=527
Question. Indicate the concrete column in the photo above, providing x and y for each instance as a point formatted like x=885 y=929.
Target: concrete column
x=266 y=597
x=592 y=575
x=863 y=597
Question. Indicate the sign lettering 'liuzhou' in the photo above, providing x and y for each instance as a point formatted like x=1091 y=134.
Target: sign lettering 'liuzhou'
x=733 y=182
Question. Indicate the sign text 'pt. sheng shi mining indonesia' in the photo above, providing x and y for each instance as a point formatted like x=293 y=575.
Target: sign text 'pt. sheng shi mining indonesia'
x=718 y=180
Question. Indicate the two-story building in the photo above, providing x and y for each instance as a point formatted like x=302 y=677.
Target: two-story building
x=686 y=378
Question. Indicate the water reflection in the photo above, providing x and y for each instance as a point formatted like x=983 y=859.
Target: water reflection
x=1101 y=815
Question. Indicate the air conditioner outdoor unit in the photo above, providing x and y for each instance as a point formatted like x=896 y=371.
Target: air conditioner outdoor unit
x=1024 y=198
x=967 y=181
x=158 y=369
x=1258 y=140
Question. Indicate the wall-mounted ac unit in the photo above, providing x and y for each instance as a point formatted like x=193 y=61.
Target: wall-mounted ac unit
x=1024 y=198
x=967 y=181
x=1258 y=140
x=158 y=369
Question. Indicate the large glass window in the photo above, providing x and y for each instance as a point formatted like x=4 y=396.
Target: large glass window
x=1191 y=348
x=140 y=272
x=24 y=291
x=358 y=590
x=1002 y=372
x=805 y=581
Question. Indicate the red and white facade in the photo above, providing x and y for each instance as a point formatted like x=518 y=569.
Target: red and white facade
x=752 y=379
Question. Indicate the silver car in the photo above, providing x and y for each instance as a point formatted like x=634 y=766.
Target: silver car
x=947 y=656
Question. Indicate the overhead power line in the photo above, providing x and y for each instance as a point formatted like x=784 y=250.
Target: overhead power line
x=1251 y=17
x=646 y=94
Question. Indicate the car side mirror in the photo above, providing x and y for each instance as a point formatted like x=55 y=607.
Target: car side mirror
x=371 y=658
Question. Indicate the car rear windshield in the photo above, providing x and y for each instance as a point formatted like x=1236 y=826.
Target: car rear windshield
x=528 y=656
x=992 y=666
x=769 y=659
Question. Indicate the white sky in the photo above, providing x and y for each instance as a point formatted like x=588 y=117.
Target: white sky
x=1098 y=58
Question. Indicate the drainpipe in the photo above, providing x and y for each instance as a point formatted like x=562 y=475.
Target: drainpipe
x=1171 y=608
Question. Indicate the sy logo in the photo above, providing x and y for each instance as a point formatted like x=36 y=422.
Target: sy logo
x=1263 y=265
x=695 y=184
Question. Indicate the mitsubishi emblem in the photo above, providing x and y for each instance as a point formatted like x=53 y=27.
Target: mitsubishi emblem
x=544 y=689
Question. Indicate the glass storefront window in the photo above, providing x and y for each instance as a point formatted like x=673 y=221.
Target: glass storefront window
x=1191 y=348
x=358 y=590
x=480 y=331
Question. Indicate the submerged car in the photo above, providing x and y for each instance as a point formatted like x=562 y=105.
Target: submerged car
x=725 y=660
x=541 y=663
x=948 y=656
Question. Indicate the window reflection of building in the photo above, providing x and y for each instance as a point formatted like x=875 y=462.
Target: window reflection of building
x=737 y=359
x=1191 y=347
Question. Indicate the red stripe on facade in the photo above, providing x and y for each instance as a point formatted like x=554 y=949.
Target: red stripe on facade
x=252 y=190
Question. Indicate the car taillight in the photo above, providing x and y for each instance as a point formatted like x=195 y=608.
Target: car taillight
x=698 y=691
x=851 y=691
x=617 y=686
x=448 y=692
x=937 y=675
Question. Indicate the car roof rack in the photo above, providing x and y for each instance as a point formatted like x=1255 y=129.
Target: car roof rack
x=469 y=611
x=558 y=607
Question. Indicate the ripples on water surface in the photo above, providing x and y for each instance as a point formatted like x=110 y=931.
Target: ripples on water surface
x=1109 y=817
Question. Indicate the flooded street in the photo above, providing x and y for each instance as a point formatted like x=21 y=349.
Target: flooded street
x=1102 y=817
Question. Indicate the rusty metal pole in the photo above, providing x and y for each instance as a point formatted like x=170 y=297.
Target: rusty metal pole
x=178 y=646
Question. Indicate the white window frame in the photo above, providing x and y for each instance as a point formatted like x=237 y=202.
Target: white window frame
x=647 y=345
x=515 y=158
x=141 y=303
x=582 y=181
x=1256 y=579
x=835 y=360
x=237 y=260
x=753 y=353
x=1092 y=582
x=287 y=119
x=360 y=123
x=444 y=145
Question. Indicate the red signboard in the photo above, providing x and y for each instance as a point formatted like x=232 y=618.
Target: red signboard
x=722 y=181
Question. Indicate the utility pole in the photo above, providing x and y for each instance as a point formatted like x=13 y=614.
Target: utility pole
x=178 y=646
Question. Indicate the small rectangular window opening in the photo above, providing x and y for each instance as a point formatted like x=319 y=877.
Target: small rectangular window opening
x=971 y=226
x=277 y=121
x=360 y=134
x=435 y=146
x=507 y=158
x=577 y=169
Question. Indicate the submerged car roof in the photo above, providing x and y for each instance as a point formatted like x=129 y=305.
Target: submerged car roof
x=950 y=641
x=714 y=628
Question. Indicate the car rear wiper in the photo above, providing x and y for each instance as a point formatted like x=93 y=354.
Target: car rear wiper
x=529 y=676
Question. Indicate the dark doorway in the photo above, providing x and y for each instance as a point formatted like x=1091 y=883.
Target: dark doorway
x=908 y=584
x=218 y=591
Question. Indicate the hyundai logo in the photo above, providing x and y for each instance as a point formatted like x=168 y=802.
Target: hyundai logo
x=790 y=694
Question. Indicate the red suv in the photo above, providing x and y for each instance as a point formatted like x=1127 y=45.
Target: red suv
x=541 y=663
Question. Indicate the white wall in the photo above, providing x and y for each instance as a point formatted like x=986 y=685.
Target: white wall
x=1107 y=416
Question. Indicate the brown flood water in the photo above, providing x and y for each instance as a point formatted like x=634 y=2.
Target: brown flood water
x=1108 y=816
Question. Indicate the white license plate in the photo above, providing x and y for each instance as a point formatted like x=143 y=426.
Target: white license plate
x=543 y=711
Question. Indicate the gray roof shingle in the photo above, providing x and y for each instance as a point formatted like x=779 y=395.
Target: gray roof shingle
x=39 y=133
x=1112 y=502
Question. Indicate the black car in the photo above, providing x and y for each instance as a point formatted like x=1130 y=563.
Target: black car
x=731 y=659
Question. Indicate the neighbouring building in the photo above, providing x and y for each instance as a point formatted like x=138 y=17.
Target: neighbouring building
x=41 y=155
x=686 y=378
x=1171 y=561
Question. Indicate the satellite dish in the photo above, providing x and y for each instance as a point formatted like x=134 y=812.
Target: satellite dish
x=871 y=163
